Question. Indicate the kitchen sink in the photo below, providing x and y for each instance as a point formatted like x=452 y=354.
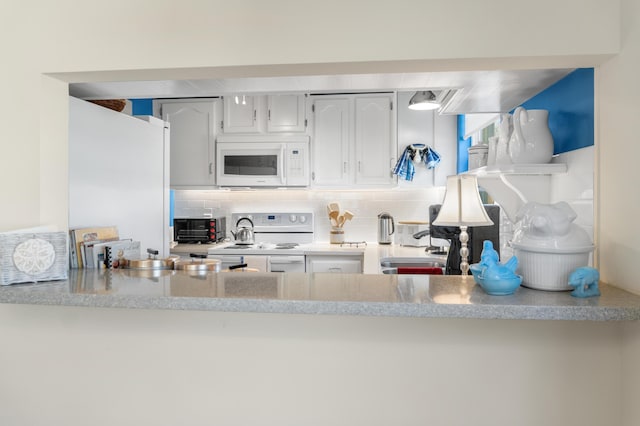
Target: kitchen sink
x=412 y=265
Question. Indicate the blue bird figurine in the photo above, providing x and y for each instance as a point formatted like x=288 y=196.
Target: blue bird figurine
x=584 y=281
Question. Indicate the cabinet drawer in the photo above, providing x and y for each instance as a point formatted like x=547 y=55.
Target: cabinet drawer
x=337 y=264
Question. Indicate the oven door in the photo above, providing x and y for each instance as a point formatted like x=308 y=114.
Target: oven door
x=250 y=164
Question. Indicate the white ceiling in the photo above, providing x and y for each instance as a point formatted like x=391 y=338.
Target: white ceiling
x=475 y=91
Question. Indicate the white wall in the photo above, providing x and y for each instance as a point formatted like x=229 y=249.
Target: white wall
x=618 y=204
x=84 y=366
x=104 y=367
x=388 y=37
x=440 y=132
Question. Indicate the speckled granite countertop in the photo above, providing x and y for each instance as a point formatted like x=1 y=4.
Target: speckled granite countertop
x=320 y=293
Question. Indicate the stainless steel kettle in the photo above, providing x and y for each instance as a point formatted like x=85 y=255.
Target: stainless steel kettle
x=386 y=227
x=244 y=233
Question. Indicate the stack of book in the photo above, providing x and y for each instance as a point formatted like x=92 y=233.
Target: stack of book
x=99 y=247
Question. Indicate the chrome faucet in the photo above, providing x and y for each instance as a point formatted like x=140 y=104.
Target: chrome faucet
x=421 y=234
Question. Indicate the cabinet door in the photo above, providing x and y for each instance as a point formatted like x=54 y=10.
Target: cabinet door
x=374 y=140
x=192 y=133
x=330 y=141
x=285 y=113
x=242 y=114
x=337 y=264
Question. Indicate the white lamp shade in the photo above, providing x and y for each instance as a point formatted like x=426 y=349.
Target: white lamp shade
x=462 y=205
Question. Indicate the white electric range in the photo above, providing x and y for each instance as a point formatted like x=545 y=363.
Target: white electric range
x=280 y=239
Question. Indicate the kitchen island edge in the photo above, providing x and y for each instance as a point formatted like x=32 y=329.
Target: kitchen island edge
x=418 y=296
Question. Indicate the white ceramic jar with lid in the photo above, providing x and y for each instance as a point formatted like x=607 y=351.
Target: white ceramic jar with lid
x=549 y=246
x=478 y=155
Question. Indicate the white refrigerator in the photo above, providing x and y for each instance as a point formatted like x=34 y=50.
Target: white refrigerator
x=119 y=174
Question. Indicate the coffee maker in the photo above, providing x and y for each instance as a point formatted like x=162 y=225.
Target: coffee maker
x=477 y=235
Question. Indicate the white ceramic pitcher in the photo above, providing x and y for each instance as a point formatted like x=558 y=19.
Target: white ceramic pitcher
x=531 y=141
x=502 y=146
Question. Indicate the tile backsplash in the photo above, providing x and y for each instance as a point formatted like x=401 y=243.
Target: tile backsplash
x=402 y=204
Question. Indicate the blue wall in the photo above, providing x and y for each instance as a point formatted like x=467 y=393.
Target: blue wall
x=571 y=114
x=463 y=145
x=141 y=106
x=570 y=106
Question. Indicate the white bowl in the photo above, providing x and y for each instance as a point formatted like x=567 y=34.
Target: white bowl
x=549 y=270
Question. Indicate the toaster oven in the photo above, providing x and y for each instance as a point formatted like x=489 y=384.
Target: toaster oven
x=199 y=230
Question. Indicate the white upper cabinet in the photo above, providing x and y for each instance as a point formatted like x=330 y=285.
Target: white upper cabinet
x=353 y=140
x=375 y=145
x=286 y=113
x=330 y=141
x=192 y=133
x=251 y=114
x=243 y=114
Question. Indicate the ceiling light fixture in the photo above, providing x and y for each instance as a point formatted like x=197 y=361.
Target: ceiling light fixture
x=424 y=101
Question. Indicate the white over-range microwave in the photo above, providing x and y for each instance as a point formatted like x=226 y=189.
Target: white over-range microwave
x=262 y=161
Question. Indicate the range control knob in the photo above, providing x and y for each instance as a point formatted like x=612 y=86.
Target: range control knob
x=303 y=219
x=293 y=218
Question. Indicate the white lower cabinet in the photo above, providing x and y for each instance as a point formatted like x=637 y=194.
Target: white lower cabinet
x=339 y=263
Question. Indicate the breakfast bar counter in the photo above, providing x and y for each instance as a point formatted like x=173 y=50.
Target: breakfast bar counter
x=427 y=296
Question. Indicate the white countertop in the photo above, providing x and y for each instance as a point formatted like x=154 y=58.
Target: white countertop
x=372 y=252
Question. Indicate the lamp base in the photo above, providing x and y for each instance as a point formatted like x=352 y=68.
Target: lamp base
x=464 y=251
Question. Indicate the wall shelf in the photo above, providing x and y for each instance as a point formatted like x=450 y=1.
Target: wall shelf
x=513 y=185
x=522 y=169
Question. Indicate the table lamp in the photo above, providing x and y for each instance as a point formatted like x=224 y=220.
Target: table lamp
x=462 y=207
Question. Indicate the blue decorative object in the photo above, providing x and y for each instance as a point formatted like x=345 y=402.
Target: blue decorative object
x=404 y=168
x=430 y=157
x=585 y=282
x=495 y=278
x=412 y=155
